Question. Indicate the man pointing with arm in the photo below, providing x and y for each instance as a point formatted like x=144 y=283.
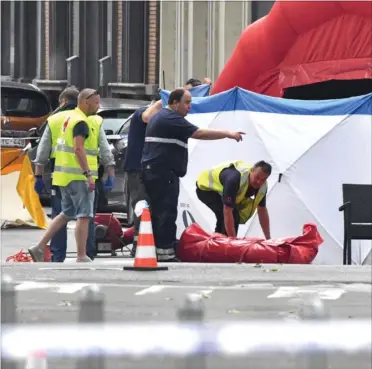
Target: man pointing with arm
x=164 y=162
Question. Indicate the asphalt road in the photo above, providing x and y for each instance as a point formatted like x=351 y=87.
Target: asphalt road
x=49 y=293
x=17 y=239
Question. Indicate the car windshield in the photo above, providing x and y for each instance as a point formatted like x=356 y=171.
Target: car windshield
x=23 y=103
x=112 y=124
x=115 y=119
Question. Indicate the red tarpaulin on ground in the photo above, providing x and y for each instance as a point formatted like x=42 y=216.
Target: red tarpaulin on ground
x=301 y=42
x=196 y=245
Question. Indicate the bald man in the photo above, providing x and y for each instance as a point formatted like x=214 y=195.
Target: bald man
x=75 y=171
x=164 y=162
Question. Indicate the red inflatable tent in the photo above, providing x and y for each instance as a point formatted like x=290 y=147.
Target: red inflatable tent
x=299 y=43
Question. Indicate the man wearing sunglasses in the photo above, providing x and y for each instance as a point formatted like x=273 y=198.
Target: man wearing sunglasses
x=78 y=135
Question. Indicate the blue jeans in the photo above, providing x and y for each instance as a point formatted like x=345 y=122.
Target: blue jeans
x=58 y=244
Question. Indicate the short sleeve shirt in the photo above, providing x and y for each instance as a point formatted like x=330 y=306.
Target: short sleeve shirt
x=166 y=140
x=81 y=129
x=230 y=180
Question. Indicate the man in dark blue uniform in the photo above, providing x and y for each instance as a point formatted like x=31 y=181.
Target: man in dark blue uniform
x=164 y=162
x=132 y=163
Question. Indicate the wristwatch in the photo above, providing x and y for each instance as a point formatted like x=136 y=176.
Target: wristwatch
x=87 y=173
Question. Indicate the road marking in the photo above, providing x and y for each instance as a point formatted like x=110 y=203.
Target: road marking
x=27 y=286
x=152 y=289
x=72 y=288
x=323 y=293
x=78 y=268
x=204 y=294
x=358 y=287
x=102 y=260
x=68 y=288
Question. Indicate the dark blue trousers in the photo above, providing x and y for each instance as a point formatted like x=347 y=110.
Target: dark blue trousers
x=163 y=189
x=58 y=244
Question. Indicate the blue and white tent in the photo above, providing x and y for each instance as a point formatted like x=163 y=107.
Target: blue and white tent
x=197 y=91
x=313 y=146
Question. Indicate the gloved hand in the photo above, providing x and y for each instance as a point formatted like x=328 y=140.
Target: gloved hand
x=109 y=183
x=39 y=185
x=138 y=209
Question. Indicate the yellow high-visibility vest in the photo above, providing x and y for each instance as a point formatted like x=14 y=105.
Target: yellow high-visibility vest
x=55 y=123
x=67 y=167
x=97 y=119
x=209 y=180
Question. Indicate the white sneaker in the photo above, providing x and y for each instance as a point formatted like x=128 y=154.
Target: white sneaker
x=85 y=259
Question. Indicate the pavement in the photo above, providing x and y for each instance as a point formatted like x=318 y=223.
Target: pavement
x=49 y=293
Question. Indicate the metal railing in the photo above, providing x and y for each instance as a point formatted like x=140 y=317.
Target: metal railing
x=191 y=339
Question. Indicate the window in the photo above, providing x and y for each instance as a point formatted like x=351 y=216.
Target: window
x=260 y=9
x=112 y=113
x=124 y=130
x=112 y=124
x=23 y=103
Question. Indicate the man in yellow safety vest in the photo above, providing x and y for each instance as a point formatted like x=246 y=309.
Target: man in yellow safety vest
x=75 y=170
x=233 y=191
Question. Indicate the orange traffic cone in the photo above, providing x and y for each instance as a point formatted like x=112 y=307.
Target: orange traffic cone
x=145 y=259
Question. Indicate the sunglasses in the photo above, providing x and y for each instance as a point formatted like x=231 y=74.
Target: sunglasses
x=92 y=94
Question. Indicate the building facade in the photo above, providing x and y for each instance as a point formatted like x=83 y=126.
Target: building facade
x=126 y=47
x=85 y=43
x=198 y=37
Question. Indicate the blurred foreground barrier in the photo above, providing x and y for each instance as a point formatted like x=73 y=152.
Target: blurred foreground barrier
x=92 y=310
x=90 y=341
x=186 y=339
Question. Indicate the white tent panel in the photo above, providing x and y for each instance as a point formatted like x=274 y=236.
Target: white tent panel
x=313 y=151
x=288 y=214
x=288 y=137
x=207 y=120
x=191 y=209
x=207 y=154
x=318 y=175
x=316 y=146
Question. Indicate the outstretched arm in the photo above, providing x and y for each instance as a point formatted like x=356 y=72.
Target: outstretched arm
x=211 y=134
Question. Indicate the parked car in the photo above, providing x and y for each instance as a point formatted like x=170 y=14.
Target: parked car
x=23 y=107
x=116 y=114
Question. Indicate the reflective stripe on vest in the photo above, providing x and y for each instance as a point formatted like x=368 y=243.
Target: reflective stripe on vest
x=167 y=141
x=64 y=148
x=244 y=174
x=73 y=170
x=248 y=206
x=55 y=123
x=209 y=180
